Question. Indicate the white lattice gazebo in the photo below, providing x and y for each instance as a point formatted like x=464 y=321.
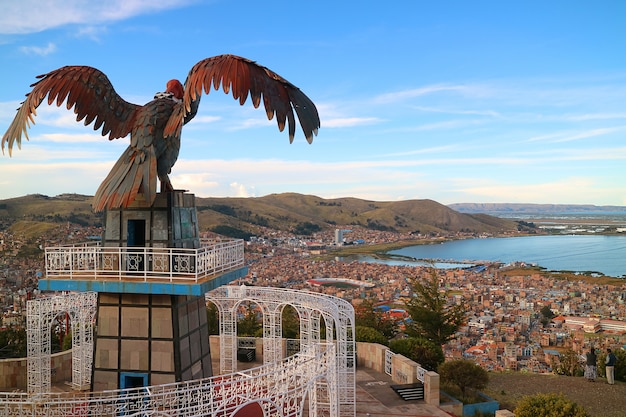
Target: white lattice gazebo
x=321 y=376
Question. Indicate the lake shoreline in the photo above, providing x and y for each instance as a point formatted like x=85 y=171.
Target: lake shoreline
x=381 y=252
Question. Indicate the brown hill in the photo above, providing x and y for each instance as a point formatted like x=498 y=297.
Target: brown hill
x=286 y=211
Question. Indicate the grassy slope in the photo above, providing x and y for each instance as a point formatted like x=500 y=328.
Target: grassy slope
x=598 y=398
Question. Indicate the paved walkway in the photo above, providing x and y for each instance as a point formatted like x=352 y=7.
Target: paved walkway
x=375 y=398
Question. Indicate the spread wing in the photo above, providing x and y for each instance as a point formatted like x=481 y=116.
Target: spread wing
x=244 y=77
x=87 y=90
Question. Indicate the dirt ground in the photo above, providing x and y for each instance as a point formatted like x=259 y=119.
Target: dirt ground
x=599 y=398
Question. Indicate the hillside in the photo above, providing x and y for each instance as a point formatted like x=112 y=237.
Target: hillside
x=288 y=210
x=285 y=212
x=73 y=208
x=600 y=399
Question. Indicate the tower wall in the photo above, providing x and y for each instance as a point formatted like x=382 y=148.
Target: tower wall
x=163 y=338
x=151 y=338
x=171 y=222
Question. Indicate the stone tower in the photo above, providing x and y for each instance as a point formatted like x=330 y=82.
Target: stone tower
x=151 y=272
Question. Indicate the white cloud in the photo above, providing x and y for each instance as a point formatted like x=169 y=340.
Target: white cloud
x=29 y=16
x=386 y=180
x=350 y=121
x=573 y=190
x=240 y=190
x=572 y=136
x=68 y=138
x=489 y=113
x=39 y=50
x=472 y=90
x=205 y=119
x=91 y=32
x=252 y=123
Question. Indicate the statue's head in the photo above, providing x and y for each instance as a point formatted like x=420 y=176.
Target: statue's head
x=176 y=88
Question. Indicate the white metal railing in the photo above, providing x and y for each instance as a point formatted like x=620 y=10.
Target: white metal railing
x=389 y=362
x=420 y=373
x=281 y=388
x=92 y=261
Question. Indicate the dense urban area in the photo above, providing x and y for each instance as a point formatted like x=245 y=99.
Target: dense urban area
x=506 y=326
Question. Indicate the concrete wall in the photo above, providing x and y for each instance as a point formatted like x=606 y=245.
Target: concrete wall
x=404 y=370
x=504 y=413
x=371 y=355
x=13 y=372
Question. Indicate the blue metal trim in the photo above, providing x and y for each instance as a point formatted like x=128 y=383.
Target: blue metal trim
x=127 y=287
x=124 y=375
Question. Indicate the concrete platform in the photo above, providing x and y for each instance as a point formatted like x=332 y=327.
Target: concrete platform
x=375 y=398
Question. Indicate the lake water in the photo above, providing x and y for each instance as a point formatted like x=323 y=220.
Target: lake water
x=581 y=253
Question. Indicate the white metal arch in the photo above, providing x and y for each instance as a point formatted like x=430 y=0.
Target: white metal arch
x=40 y=313
x=338 y=316
x=284 y=384
x=322 y=372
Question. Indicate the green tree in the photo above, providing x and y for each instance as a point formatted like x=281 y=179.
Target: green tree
x=249 y=324
x=546 y=315
x=366 y=315
x=67 y=342
x=369 y=335
x=549 y=405
x=12 y=343
x=433 y=316
x=290 y=323
x=568 y=364
x=212 y=318
x=463 y=374
x=420 y=350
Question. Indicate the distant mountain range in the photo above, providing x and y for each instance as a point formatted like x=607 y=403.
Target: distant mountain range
x=288 y=212
x=499 y=209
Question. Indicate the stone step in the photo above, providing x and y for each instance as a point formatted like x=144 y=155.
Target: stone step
x=409 y=392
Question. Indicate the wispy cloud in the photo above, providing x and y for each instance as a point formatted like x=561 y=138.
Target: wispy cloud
x=570 y=136
x=39 y=50
x=593 y=116
x=29 y=16
x=205 y=119
x=567 y=190
x=489 y=113
x=351 y=121
x=91 y=32
x=467 y=90
x=69 y=138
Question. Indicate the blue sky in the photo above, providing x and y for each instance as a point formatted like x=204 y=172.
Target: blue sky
x=454 y=101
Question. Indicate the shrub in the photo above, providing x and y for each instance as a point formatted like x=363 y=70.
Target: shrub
x=568 y=364
x=420 y=350
x=549 y=405
x=464 y=374
x=370 y=335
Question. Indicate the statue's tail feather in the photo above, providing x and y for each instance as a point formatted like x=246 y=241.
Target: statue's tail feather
x=134 y=172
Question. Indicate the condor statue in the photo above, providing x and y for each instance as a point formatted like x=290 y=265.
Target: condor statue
x=155 y=128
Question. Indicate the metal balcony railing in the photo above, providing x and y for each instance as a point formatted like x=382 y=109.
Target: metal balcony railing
x=91 y=261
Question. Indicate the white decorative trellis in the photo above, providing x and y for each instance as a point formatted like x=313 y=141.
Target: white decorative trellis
x=321 y=374
x=338 y=316
x=280 y=389
x=40 y=313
